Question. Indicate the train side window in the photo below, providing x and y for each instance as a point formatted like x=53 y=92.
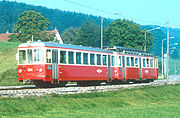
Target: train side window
x=78 y=57
x=127 y=61
x=48 y=56
x=29 y=56
x=147 y=63
x=144 y=62
x=63 y=57
x=120 y=60
x=136 y=62
x=85 y=58
x=92 y=59
x=113 y=61
x=22 y=56
x=132 y=61
x=151 y=63
x=98 y=59
x=71 y=57
x=105 y=60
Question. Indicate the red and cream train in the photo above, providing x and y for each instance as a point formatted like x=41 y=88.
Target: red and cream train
x=47 y=63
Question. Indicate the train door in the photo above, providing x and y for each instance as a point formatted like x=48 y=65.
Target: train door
x=123 y=66
x=55 y=64
x=109 y=67
x=140 y=68
x=156 y=67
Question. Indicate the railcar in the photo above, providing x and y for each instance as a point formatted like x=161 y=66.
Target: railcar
x=47 y=64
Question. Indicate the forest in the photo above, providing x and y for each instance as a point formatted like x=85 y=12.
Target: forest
x=66 y=21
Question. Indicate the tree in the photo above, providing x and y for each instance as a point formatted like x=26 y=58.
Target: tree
x=31 y=23
x=69 y=35
x=126 y=33
x=88 y=34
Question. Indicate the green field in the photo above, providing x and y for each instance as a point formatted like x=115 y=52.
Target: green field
x=147 y=102
x=8 y=63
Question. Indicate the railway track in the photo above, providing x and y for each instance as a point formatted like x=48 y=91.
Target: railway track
x=27 y=91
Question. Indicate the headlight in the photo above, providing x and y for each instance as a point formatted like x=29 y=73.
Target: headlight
x=40 y=70
x=20 y=71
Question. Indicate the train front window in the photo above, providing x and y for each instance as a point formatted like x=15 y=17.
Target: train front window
x=22 y=56
x=38 y=55
x=48 y=56
x=29 y=56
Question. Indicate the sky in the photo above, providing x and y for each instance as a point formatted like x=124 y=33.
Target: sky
x=143 y=12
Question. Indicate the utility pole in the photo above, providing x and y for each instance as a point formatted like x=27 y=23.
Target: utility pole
x=167 y=69
x=145 y=41
x=102 y=33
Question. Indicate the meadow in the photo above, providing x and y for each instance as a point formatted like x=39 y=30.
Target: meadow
x=146 y=102
x=8 y=63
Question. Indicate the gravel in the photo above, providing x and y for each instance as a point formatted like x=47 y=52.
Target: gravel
x=74 y=90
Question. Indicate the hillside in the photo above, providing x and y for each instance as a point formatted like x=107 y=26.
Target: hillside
x=8 y=63
x=62 y=20
x=9 y=12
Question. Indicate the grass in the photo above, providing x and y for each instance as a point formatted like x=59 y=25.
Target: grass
x=8 y=55
x=8 y=63
x=147 y=102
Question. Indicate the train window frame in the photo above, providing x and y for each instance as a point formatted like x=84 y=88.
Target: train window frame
x=104 y=64
x=128 y=61
x=136 y=62
x=78 y=59
x=132 y=62
x=50 y=56
x=147 y=62
x=112 y=60
x=98 y=59
x=71 y=61
x=19 y=56
x=44 y=59
x=92 y=60
x=64 y=58
x=31 y=56
x=87 y=59
x=151 y=63
x=144 y=62
x=119 y=60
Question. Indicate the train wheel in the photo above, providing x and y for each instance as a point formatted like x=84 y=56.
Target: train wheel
x=116 y=82
x=89 y=83
x=62 y=83
x=42 y=84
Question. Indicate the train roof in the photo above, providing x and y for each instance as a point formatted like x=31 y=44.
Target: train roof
x=50 y=44
x=117 y=49
x=121 y=49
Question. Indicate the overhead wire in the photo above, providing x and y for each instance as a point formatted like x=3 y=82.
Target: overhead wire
x=111 y=13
